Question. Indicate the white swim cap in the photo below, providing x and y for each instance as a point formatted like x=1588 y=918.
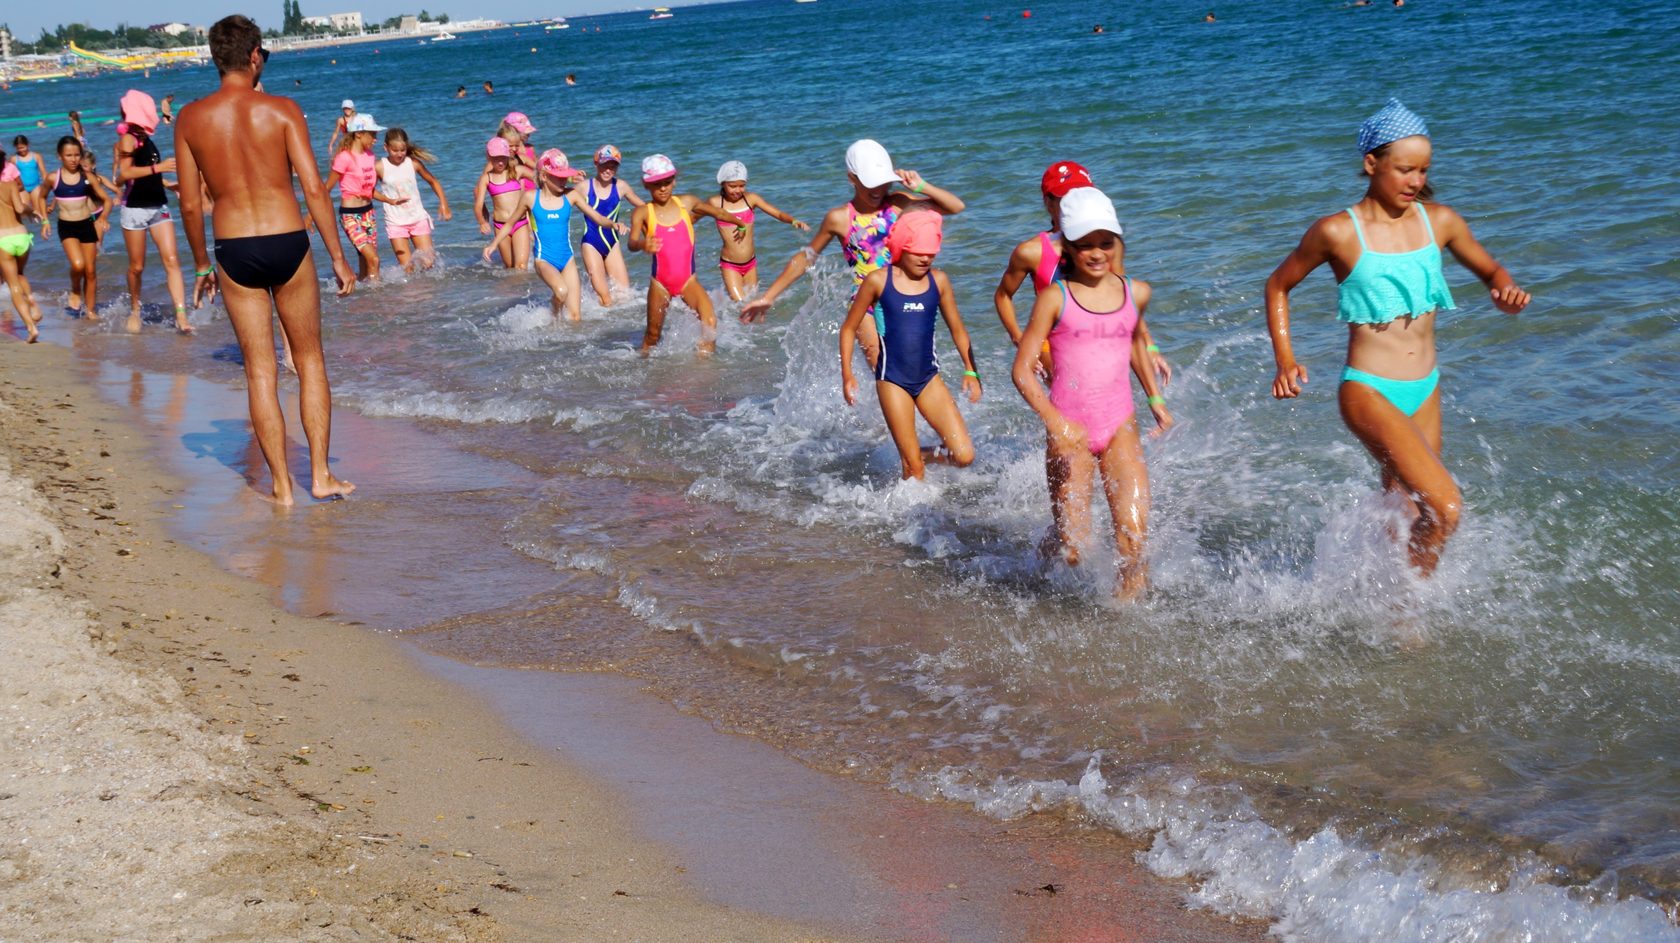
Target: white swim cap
x=732 y=170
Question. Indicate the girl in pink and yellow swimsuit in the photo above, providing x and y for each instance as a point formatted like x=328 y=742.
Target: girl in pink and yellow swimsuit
x=739 y=258
x=664 y=228
x=1091 y=319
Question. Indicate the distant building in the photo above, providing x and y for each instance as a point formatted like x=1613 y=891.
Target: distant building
x=409 y=24
x=172 y=29
x=5 y=43
x=343 y=22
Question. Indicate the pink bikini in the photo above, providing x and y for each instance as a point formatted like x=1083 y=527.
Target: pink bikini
x=506 y=187
x=727 y=231
x=1093 y=355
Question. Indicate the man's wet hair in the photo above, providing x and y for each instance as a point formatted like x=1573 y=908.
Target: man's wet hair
x=232 y=39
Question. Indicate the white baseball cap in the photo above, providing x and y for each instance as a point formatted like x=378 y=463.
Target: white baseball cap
x=362 y=121
x=732 y=170
x=347 y=103
x=1086 y=210
x=868 y=161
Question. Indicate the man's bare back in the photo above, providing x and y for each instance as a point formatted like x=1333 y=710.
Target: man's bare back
x=245 y=144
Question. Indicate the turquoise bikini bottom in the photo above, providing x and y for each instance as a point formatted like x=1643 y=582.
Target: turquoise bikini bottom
x=1408 y=396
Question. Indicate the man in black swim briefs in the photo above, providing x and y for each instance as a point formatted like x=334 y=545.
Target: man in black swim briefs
x=261 y=246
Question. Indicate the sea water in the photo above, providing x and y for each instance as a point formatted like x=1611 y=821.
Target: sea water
x=1290 y=718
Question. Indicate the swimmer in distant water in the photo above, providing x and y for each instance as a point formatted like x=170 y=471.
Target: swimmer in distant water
x=347 y=110
x=166 y=109
x=911 y=293
x=488 y=88
x=571 y=78
x=664 y=229
x=1385 y=252
x=738 y=259
x=1040 y=258
x=1097 y=28
x=603 y=256
x=1209 y=18
x=460 y=91
x=549 y=212
x=862 y=226
x=1090 y=319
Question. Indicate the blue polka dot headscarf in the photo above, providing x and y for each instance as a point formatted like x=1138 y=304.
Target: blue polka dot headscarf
x=1393 y=122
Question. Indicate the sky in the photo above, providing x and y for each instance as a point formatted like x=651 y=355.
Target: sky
x=27 y=20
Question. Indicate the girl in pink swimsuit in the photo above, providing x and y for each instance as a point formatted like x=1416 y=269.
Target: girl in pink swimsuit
x=1091 y=319
x=1040 y=257
x=739 y=259
x=503 y=181
x=664 y=228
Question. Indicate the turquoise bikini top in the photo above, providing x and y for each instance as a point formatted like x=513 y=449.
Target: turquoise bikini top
x=1388 y=285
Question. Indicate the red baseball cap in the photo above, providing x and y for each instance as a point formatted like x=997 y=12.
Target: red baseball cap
x=1062 y=176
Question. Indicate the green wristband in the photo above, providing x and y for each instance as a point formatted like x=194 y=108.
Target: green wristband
x=919 y=185
x=203 y=272
x=971 y=373
x=1153 y=348
x=1157 y=401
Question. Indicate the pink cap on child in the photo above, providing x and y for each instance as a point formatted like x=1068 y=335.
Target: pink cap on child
x=554 y=163
x=498 y=147
x=919 y=232
x=657 y=167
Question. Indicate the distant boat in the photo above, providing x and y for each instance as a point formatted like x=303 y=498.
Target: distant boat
x=804 y=1
x=661 y=13
x=558 y=24
x=443 y=36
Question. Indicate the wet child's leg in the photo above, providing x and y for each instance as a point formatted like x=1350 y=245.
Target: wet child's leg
x=939 y=408
x=163 y=233
x=556 y=286
x=1126 y=485
x=78 y=270
x=574 y=291
x=1069 y=476
x=1409 y=457
x=617 y=272
x=734 y=283
x=694 y=295
x=658 y=299
x=597 y=268
x=899 y=410
x=134 y=240
x=521 y=247
x=90 y=280
x=424 y=253
x=403 y=249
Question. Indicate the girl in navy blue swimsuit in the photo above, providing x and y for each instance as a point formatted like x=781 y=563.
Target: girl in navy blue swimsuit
x=911 y=293
x=603 y=256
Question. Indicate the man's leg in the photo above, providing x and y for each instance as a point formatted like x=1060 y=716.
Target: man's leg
x=299 y=301
x=252 y=316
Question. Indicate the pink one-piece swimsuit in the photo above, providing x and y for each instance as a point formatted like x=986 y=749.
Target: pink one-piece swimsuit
x=1092 y=351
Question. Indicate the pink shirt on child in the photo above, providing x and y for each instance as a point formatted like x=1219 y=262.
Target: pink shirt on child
x=356 y=174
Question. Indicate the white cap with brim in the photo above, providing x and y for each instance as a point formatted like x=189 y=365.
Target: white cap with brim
x=348 y=104
x=868 y=161
x=732 y=170
x=1086 y=210
x=362 y=122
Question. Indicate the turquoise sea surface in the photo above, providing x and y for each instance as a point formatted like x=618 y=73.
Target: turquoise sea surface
x=1268 y=720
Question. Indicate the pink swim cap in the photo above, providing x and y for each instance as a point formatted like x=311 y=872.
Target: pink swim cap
x=498 y=147
x=919 y=232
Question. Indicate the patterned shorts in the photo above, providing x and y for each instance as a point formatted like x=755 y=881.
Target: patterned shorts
x=359 y=226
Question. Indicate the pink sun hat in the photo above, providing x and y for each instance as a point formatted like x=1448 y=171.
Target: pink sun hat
x=657 y=167
x=498 y=147
x=553 y=162
x=518 y=122
x=920 y=233
x=139 y=110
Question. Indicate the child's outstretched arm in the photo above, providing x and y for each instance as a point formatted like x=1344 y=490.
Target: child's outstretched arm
x=959 y=336
x=867 y=294
x=757 y=202
x=1502 y=289
x=639 y=241
x=1143 y=364
x=833 y=225
x=576 y=198
x=943 y=200
x=1313 y=251
x=702 y=208
x=525 y=204
x=426 y=175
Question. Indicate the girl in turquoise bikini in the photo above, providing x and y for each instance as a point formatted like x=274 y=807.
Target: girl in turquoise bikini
x=1386 y=254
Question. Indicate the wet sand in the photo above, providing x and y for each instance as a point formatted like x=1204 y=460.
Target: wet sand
x=317 y=779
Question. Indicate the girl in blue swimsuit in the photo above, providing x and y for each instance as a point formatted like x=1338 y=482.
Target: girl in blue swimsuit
x=602 y=254
x=549 y=211
x=1386 y=254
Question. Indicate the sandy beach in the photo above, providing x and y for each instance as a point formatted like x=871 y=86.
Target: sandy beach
x=188 y=762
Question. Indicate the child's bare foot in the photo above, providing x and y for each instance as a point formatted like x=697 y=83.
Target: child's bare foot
x=1051 y=548
x=331 y=487
x=34 y=332
x=181 y=323
x=73 y=302
x=132 y=325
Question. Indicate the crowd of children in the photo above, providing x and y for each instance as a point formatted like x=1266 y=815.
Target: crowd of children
x=1085 y=335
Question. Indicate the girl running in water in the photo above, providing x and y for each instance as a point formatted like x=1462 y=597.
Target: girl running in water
x=861 y=225
x=407 y=224
x=145 y=209
x=356 y=173
x=80 y=202
x=346 y=111
x=32 y=172
x=1090 y=317
x=602 y=255
x=1385 y=252
x=739 y=260
x=503 y=180
x=15 y=241
x=1040 y=258
x=516 y=130
x=910 y=292
x=550 y=214
x=664 y=228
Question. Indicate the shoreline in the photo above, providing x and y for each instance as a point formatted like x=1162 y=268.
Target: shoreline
x=381 y=786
